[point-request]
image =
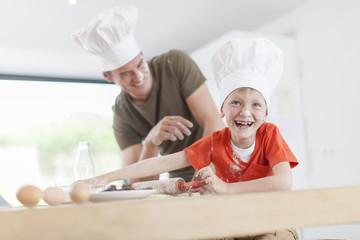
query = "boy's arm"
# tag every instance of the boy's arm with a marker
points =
(154, 166)
(282, 180)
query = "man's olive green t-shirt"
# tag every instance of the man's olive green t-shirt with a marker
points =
(175, 77)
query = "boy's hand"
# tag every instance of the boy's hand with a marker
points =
(85, 181)
(207, 176)
(92, 182)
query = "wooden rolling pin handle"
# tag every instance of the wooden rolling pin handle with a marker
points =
(184, 186)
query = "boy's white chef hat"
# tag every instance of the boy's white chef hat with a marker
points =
(109, 37)
(255, 63)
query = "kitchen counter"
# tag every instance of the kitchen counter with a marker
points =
(198, 217)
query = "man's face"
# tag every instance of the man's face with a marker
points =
(133, 78)
(244, 110)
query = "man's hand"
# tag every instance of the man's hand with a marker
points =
(169, 128)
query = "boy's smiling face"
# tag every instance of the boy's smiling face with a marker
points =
(244, 110)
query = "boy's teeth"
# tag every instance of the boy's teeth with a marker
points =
(243, 123)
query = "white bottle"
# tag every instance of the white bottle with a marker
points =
(84, 165)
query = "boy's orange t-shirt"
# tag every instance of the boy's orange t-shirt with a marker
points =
(270, 149)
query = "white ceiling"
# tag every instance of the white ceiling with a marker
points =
(46, 26)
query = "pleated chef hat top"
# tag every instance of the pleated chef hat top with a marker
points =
(109, 37)
(255, 63)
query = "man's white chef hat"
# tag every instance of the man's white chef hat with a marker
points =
(255, 63)
(109, 37)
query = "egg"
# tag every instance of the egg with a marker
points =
(29, 195)
(54, 196)
(80, 193)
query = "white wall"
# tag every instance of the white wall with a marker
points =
(328, 39)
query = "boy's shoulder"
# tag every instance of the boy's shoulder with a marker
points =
(223, 133)
(267, 127)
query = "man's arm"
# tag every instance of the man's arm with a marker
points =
(174, 128)
(204, 110)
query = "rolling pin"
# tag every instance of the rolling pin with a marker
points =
(167, 186)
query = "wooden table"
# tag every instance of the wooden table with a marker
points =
(183, 218)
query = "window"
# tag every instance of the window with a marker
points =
(42, 122)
